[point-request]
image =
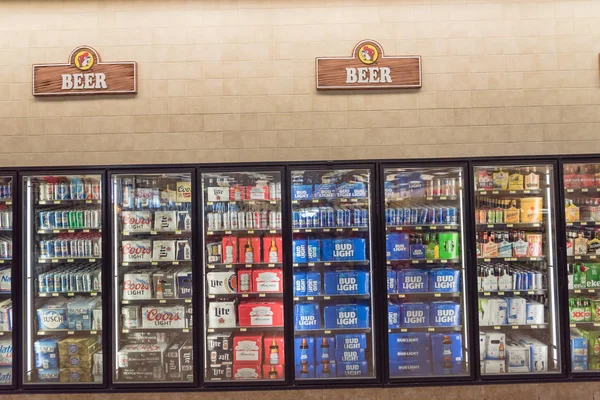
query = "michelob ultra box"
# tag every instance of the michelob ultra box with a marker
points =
(410, 367)
(495, 343)
(414, 314)
(517, 357)
(347, 282)
(446, 353)
(347, 316)
(325, 349)
(445, 313)
(301, 192)
(343, 249)
(393, 315)
(313, 283)
(392, 279)
(136, 250)
(397, 246)
(412, 281)
(352, 355)
(325, 191)
(299, 251)
(307, 316)
(136, 221)
(304, 350)
(444, 280)
(538, 353)
(535, 312)
(299, 283)
(497, 309)
(314, 250)
(356, 368)
(351, 341)
(517, 310)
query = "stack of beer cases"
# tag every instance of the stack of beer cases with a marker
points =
(327, 356)
(585, 350)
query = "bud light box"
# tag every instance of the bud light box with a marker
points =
(347, 316)
(359, 368)
(397, 246)
(445, 313)
(347, 282)
(393, 316)
(304, 350)
(342, 355)
(300, 252)
(391, 281)
(314, 250)
(351, 341)
(410, 368)
(325, 191)
(417, 353)
(414, 315)
(444, 280)
(302, 192)
(325, 349)
(343, 250)
(412, 281)
(313, 283)
(446, 353)
(299, 283)
(307, 316)
(409, 341)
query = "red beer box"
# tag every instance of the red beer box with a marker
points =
(255, 241)
(270, 356)
(247, 349)
(229, 246)
(164, 317)
(246, 372)
(267, 280)
(267, 243)
(261, 313)
(278, 371)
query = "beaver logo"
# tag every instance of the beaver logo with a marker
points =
(84, 60)
(368, 54)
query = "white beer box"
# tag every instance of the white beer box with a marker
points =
(136, 250)
(164, 317)
(136, 355)
(5, 280)
(517, 357)
(163, 250)
(137, 286)
(97, 319)
(136, 221)
(218, 193)
(165, 221)
(5, 375)
(222, 314)
(221, 282)
(6, 352)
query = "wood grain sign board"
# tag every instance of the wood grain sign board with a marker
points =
(85, 74)
(368, 68)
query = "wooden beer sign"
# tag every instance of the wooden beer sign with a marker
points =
(85, 74)
(368, 68)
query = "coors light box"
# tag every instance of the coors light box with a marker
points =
(164, 317)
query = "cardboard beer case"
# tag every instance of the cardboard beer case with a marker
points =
(260, 313)
(307, 316)
(351, 341)
(410, 367)
(247, 349)
(393, 315)
(347, 282)
(413, 281)
(347, 316)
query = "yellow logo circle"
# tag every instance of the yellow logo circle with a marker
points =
(368, 54)
(84, 60)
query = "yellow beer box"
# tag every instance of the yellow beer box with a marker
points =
(77, 352)
(184, 192)
(75, 375)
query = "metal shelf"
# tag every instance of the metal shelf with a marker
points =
(512, 292)
(520, 225)
(245, 201)
(427, 329)
(508, 192)
(332, 229)
(514, 327)
(68, 230)
(132, 330)
(423, 295)
(242, 231)
(78, 201)
(450, 197)
(245, 329)
(588, 257)
(583, 223)
(246, 295)
(154, 233)
(67, 260)
(332, 330)
(427, 261)
(157, 301)
(242, 265)
(154, 263)
(514, 259)
(431, 227)
(332, 297)
(583, 291)
(332, 263)
(334, 199)
(68, 332)
(67, 294)
(583, 190)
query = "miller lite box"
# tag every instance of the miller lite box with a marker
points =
(136, 221)
(217, 193)
(445, 313)
(347, 316)
(167, 288)
(247, 349)
(261, 313)
(78, 352)
(221, 357)
(267, 280)
(343, 250)
(313, 283)
(392, 281)
(164, 317)
(414, 315)
(410, 341)
(393, 315)
(397, 246)
(351, 341)
(349, 355)
(357, 368)
(184, 192)
(412, 281)
(53, 315)
(219, 372)
(325, 191)
(137, 285)
(136, 250)
(314, 250)
(179, 360)
(299, 283)
(446, 353)
(299, 251)
(163, 250)
(347, 282)
(5, 375)
(272, 249)
(410, 367)
(219, 341)
(221, 314)
(306, 316)
(184, 284)
(249, 257)
(444, 280)
(48, 375)
(6, 352)
(304, 350)
(221, 282)
(327, 349)
(46, 353)
(302, 192)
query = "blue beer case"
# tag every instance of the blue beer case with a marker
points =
(412, 281)
(444, 280)
(347, 316)
(447, 357)
(325, 353)
(351, 341)
(352, 355)
(299, 251)
(313, 250)
(325, 191)
(309, 353)
(343, 249)
(414, 315)
(357, 368)
(311, 371)
(347, 282)
(410, 367)
(307, 316)
(393, 315)
(300, 283)
(302, 192)
(409, 340)
(391, 281)
(313, 283)
(319, 370)
(445, 313)
(397, 246)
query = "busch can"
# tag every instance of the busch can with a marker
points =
(348, 217)
(406, 218)
(62, 192)
(315, 217)
(44, 220)
(302, 220)
(43, 249)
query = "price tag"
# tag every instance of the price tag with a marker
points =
(578, 257)
(490, 225)
(186, 330)
(54, 294)
(248, 265)
(515, 326)
(418, 228)
(433, 228)
(93, 332)
(403, 330)
(591, 290)
(326, 297)
(56, 201)
(70, 332)
(339, 230)
(210, 330)
(229, 232)
(308, 230)
(262, 295)
(355, 229)
(92, 260)
(584, 190)
(54, 260)
(311, 264)
(487, 294)
(593, 257)
(596, 324)
(210, 233)
(93, 293)
(577, 290)
(500, 293)
(250, 231)
(569, 224)
(244, 294)
(162, 301)
(271, 265)
(273, 231)
(315, 201)
(296, 298)
(125, 264)
(444, 261)
(154, 263)
(487, 260)
(188, 300)
(526, 191)
(273, 202)
(294, 264)
(324, 230)
(447, 227)
(125, 301)
(534, 326)
(583, 223)
(56, 231)
(175, 262)
(536, 225)
(572, 325)
(429, 261)
(415, 261)
(431, 329)
(443, 198)
(510, 225)
(512, 192)
(228, 265)
(429, 198)
(437, 295)
(310, 298)
(495, 192)
(71, 294)
(569, 190)
(497, 328)
(243, 329)
(70, 260)
(210, 266)
(327, 264)
(296, 231)
(327, 332)
(211, 296)
(153, 233)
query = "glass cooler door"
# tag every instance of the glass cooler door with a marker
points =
(62, 278)
(243, 270)
(426, 271)
(516, 269)
(152, 277)
(6, 255)
(333, 286)
(582, 219)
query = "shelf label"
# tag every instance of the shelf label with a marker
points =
(500, 293)
(433, 228)
(591, 290)
(93, 332)
(444, 261)
(93, 293)
(497, 328)
(154, 263)
(327, 264)
(526, 191)
(228, 232)
(250, 231)
(311, 264)
(534, 326)
(70, 260)
(71, 294)
(415, 261)
(248, 265)
(271, 265)
(70, 332)
(324, 230)
(262, 295)
(569, 190)
(355, 229)
(310, 298)
(403, 330)
(487, 260)
(431, 329)
(495, 192)
(326, 297)
(584, 190)
(92, 260)
(510, 225)
(487, 294)
(308, 230)
(54, 260)
(443, 198)
(569, 224)
(244, 295)
(418, 228)
(577, 290)
(296, 230)
(512, 192)
(437, 295)
(401, 296)
(243, 329)
(399, 228)
(273, 231)
(515, 326)
(211, 296)
(490, 225)
(55, 294)
(578, 257)
(583, 223)
(162, 301)
(429, 261)
(89, 201)
(56, 231)
(210, 330)
(186, 330)
(56, 201)
(573, 325)
(327, 332)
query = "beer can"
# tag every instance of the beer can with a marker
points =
(80, 191)
(364, 217)
(43, 190)
(43, 249)
(73, 248)
(257, 220)
(62, 192)
(423, 215)
(42, 283)
(88, 190)
(49, 282)
(437, 186)
(406, 218)
(482, 216)
(264, 219)
(295, 219)
(323, 217)
(64, 279)
(52, 189)
(429, 187)
(10, 249)
(4, 249)
(80, 248)
(330, 217)
(241, 220)
(452, 186)
(389, 216)
(491, 216)
(64, 248)
(44, 220)
(451, 217)
(8, 191)
(64, 219)
(356, 217)
(80, 219)
(87, 219)
(57, 248)
(302, 219)
(414, 216)
(73, 189)
(72, 219)
(499, 217)
(339, 217)
(445, 187)
(129, 316)
(88, 248)
(96, 193)
(50, 248)
(95, 219)
(314, 215)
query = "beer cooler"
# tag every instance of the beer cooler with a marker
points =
(152, 277)
(62, 279)
(332, 273)
(428, 318)
(582, 219)
(519, 321)
(243, 275)
(6, 268)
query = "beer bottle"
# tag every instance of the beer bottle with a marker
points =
(304, 371)
(248, 252)
(447, 353)
(326, 370)
(273, 354)
(159, 289)
(304, 353)
(501, 351)
(273, 252)
(273, 372)
(325, 351)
